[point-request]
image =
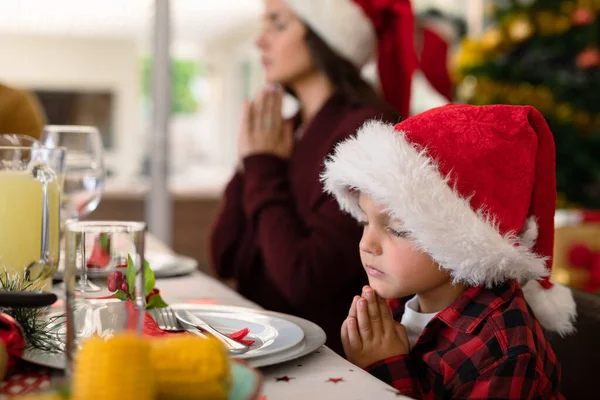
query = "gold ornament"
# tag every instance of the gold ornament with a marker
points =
(562, 24)
(564, 112)
(567, 7)
(583, 120)
(466, 89)
(545, 22)
(520, 29)
(491, 39)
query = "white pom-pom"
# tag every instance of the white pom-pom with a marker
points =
(554, 308)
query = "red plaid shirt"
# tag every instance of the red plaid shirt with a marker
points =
(487, 344)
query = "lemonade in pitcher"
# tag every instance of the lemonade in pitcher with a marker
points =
(29, 215)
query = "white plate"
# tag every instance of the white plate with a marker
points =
(270, 334)
(163, 265)
(314, 338)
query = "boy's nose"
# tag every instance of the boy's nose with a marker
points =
(369, 243)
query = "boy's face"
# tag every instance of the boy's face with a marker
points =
(394, 266)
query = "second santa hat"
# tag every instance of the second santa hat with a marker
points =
(360, 30)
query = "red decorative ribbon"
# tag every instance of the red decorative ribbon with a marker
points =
(13, 338)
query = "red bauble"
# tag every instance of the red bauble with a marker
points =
(12, 338)
(580, 256)
(582, 16)
(588, 58)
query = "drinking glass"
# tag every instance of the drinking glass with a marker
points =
(30, 189)
(83, 178)
(113, 242)
(84, 168)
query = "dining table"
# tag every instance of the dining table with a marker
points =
(321, 374)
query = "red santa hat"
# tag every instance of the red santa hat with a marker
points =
(360, 30)
(438, 33)
(475, 188)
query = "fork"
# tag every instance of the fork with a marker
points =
(167, 321)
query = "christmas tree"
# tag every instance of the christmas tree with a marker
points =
(544, 53)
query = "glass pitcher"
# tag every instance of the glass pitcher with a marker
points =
(30, 190)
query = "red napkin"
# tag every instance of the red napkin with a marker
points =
(151, 328)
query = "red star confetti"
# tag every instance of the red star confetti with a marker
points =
(283, 379)
(335, 380)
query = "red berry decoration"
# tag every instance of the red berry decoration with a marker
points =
(125, 287)
(119, 277)
(580, 256)
(112, 285)
(153, 293)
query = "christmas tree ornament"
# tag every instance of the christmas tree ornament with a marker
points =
(491, 39)
(588, 58)
(466, 89)
(564, 112)
(580, 256)
(12, 341)
(582, 16)
(545, 22)
(562, 24)
(520, 29)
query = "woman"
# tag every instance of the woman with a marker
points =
(285, 243)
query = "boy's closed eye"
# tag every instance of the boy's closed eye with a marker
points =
(391, 230)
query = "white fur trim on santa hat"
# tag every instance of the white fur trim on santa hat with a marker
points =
(341, 24)
(379, 161)
(554, 308)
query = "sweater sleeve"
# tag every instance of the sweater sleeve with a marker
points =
(228, 230)
(395, 371)
(308, 258)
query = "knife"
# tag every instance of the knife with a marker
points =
(191, 319)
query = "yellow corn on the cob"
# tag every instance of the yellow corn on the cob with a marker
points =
(188, 367)
(117, 368)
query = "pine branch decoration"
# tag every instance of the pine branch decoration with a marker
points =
(41, 333)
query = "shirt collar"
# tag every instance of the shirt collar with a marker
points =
(475, 304)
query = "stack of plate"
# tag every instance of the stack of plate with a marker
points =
(277, 337)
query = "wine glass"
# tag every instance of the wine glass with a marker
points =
(83, 177)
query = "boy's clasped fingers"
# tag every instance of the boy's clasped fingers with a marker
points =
(373, 309)
(354, 338)
(364, 321)
(353, 307)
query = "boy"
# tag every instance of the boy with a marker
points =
(458, 209)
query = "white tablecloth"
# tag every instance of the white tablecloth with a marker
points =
(320, 375)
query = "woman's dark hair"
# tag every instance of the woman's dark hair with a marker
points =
(344, 75)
